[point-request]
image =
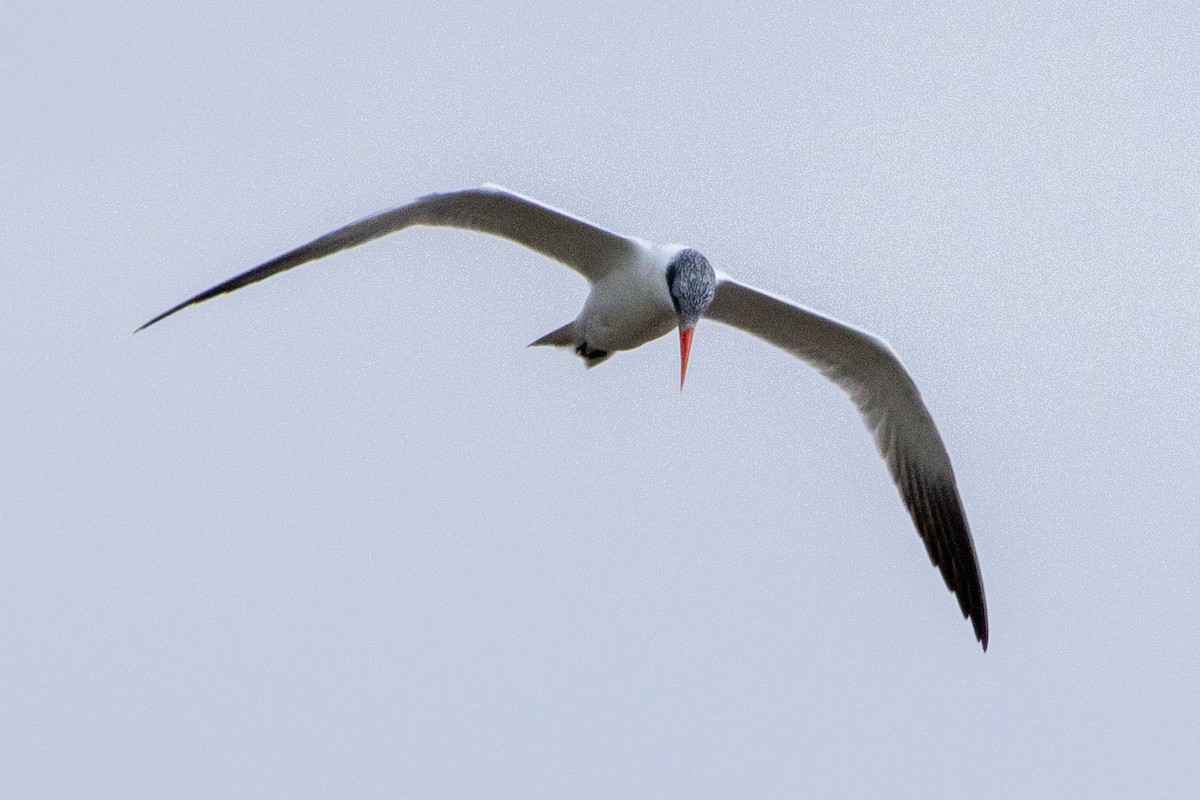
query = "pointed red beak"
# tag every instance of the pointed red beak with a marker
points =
(685, 349)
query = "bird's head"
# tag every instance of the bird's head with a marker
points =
(692, 283)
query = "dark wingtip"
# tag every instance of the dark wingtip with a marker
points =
(937, 511)
(145, 325)
(162, 316)
(974, 609)
(976, 614)
(228, 286)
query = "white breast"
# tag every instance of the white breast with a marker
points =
(629, 307)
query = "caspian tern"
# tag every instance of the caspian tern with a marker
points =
(641, 291)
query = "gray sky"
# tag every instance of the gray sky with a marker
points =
(341, 534)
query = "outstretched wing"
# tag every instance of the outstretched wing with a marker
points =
(588, 249)
(892, 408)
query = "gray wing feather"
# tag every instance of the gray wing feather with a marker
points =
(588, 249)
(865, 367)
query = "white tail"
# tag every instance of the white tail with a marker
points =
(559, 337)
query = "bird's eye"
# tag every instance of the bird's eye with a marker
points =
(672, 271)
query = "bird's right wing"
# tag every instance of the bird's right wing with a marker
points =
(588, 249)
(866, 368)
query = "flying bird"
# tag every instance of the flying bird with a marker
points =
(641, 291)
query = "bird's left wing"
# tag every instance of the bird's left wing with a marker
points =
(588, 249)
(892, 408)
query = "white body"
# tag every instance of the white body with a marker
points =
(630, 304)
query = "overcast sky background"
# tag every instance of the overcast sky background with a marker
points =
(340, 534)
